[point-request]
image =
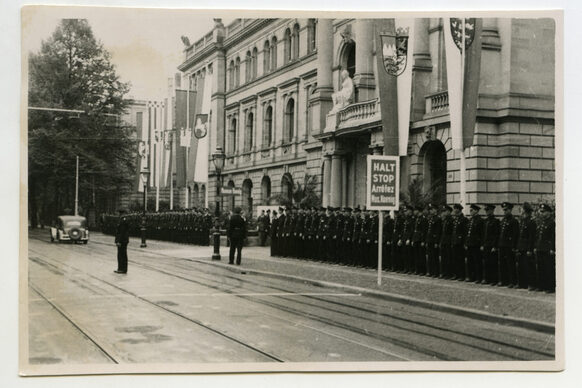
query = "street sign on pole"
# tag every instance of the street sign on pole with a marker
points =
(383, 187)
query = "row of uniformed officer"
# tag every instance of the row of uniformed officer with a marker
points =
(508, 252)
(191, 226)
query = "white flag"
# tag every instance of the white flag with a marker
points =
(201, 166)
(404, 86)
(455, 86)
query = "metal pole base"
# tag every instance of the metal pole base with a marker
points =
(143, 238)
(216, 239)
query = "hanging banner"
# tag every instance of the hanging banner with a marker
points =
(201, 173)
(383, 182)
(405, 48)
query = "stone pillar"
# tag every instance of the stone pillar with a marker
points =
(364, 77)
(321, 99)
(326, 180)
(421, 69)
(344, 182)
(336, 181)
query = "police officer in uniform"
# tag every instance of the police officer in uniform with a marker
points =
(508, 235)
(418, 241)
(405, 243)
(525, 247)
(545, 249)
(273, 231)
(433, 237)
(356, 236)
(445, 244)
(458, 235)
(387, 230)
(473, 244)
(397, 230)
(489, 246)
(121, 240)
(346, 236)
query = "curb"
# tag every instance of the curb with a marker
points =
(543, 327)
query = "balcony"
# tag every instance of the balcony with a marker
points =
(437, 104)
(357, 115)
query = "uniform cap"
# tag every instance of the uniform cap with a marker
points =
(357, 209)
(475, 207)
(458, 206)
(489, 206)
(527, 207)
(447, 208)
(545, 207)
(506, 205)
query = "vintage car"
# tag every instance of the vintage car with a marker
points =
(70, 228)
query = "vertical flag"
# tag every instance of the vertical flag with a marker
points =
(404, 48)
(201, 132)
(463, 56)
(394, 45)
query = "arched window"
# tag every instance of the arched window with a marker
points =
(348, 58)
(311, 35)
(265, 190)
(196, 196)
(266, 57)
(231, 75)
(232, 137)
(273, 53)
(287, 46)
(268, 127)
(249, 132)
(248, 66)
(295, 41)
(254, 63)
(289, 121)
(287, 186)
(237, 72)
(203, 195)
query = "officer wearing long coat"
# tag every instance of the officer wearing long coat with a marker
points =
(281, 231)
(121, 240)
(273, 231)
(525, 246)
(433, 236)
(458, 235)
(489, 246)
(406, 253)
(356, 236)
(397, 230)
(387, 230)
(346, 236)
(445, 244)
(236, 233)
(545, 249)
(508, 234)
(473, 245)
(418, 241)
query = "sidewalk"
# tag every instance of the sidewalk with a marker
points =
(509, 306)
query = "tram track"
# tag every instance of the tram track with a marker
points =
(285, 302)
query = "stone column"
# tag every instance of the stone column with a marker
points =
(364, 78)
(344, 182)
(326, 180)
(422, 67)
(322, 102)
(336, 181)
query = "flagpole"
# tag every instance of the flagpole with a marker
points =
(77, 188)
(463, 164)
(188, 145)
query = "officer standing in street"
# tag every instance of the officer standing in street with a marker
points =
(489, 246)
(121, 241)
(396, 238)
(508, 235)
(236, 233)
(458, 235)
(473, 245)
(405, 243)
(545, 249)
(387, 230)
(433, 236)
(273, 231)
(356, 236)
(525, 247)
(445, 244)
(346, 237)
(418, 241)
(262, 228)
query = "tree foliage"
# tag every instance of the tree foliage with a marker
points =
(72, 71)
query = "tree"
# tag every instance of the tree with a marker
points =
(73, 71)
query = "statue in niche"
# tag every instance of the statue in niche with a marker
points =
(345, 95)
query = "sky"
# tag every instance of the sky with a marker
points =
(145, 45)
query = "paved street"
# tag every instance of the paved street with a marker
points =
(177, 306)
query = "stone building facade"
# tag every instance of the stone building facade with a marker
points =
(272, 86)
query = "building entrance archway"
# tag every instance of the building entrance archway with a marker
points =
(434, 169)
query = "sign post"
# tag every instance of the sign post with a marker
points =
(383, 188)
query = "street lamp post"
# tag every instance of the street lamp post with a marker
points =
(218, 160)
(145, 174)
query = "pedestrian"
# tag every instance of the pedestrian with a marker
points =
(236, 233)
(121, 240)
